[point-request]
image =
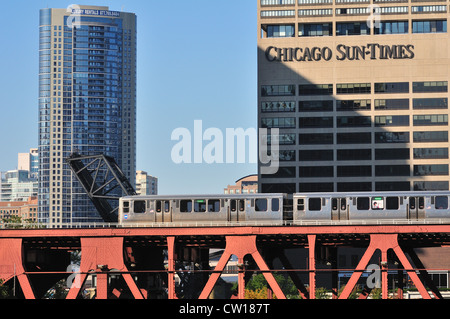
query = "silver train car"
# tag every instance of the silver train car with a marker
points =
(371, 206)
(202, 209)
(282, 209)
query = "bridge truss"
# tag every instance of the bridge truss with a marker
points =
(125, 260)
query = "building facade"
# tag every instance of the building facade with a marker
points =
(27, 210)
(359, 92)
(146, 184)
(87, 103)
(17, 186)
(245, 185)
(29, 162)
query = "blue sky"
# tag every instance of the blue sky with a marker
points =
(196, 61)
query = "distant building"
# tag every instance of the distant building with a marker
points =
(146, 184)
(27, 210)
(17, 185)
(29, 162)
(245, 185)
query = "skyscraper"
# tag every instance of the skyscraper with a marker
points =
(359, 91)
(87, 103)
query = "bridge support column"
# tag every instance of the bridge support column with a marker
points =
(102, 256)
(312, 266)
(171, 265)
(12, 264)
(384, 242)
(241, 246)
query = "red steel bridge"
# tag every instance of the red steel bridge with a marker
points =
(143, 263)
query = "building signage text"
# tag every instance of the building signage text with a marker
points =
(372, 51)
(93, 12)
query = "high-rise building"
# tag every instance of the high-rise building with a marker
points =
(87, 103)
(29, 162)
(359, 92)
(146, 184)
(17, 185)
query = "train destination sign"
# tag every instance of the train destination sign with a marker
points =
(371, 51)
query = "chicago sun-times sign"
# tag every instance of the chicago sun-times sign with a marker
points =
(371, 51)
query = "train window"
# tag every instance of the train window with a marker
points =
(343, 203)
(158, 206)
(139, 207)
(200, 206)
(275, 204)
(441, 202)
(412, 203)
(167, 206)
(261, 205)
(186, 206)
(241, 205)
(214, 205)
(301, 204)
(126, 207)
(392, 203)
(315, 204)
(362, 203)
(421, 202)
(377, 203)
(334, 204)
(233, 205)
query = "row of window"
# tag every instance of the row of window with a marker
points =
(354, 186)
(351, 28)
(354, 121)
(355, 88)
(362, 154)
(360, 138)
(361, 171)
(313, 2)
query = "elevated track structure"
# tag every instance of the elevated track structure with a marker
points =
(143, 263)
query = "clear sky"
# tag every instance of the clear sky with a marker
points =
(196, 61)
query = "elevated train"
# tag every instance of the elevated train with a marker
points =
(283, 209)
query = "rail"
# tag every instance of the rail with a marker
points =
(304, 223)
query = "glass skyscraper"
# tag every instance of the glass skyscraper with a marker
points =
(87, 103)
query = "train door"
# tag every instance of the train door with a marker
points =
(416, 208)
(339, 209)
(163, 211)
(237, 210)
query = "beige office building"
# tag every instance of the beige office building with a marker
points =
(359, 92)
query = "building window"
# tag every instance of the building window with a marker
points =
(315, 29)
(354, 88)
(431, 137)
(354, 138)
(354, 121)
(267, 107)
(315, 122)
(392, 120)
(315, 12)
(315, 155)
(392, 154)
(350, 105)
(392, 104)
(429, 26)
(316, 89)
(353, 11)
(425, 87)
(391, 27)
(278, 122)
(354, 171)
(311, 2)
(425, 120)
(277, 13)
(392, 170)
(391, 137)
(316, 171)
(352, 28)
(316, 139)
(437, 103)
(278, 90)
(396, 87)
(279, 31)
(430, 170)
(431, 153)
(427, 9)
(354, 155)
(277, 2)
(316, 106)
(431, 186)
